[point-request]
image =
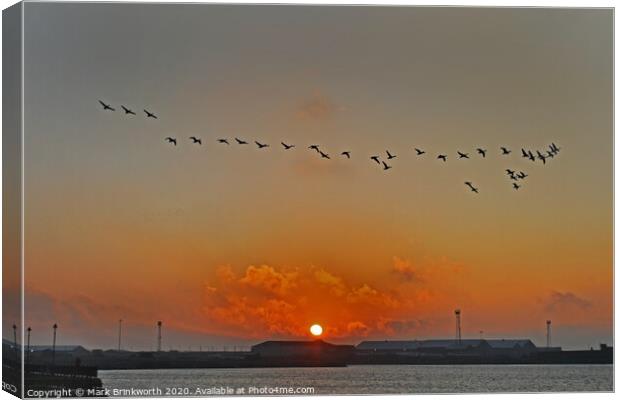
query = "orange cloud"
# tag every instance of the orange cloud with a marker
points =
(317, 107)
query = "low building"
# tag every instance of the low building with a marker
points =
(293, 348)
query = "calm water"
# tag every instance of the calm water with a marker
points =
(371, 379)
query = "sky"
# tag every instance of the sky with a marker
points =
(229, 245)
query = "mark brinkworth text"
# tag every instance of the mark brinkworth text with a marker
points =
(171, 391)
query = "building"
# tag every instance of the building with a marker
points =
(424, 346)
(293, 348)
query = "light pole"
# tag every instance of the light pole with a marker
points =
(15, 341)
(55, 327)
(120, 327)
(28, 346)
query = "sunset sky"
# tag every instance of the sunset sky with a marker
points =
(232, 245)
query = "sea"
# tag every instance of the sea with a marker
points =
(359, 379)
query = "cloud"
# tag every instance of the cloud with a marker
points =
(405, 270)
(317, 107)
(564, 301)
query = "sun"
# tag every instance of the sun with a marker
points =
(316, 330)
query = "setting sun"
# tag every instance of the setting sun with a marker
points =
(316, 330)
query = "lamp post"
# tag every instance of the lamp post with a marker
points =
(55, 327)
(120, 327)
(28, 346)
(15, 341)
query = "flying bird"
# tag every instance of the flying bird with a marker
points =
(509, 171)
(482, 152)
(555, 148)
(314, 147)
(420, 152)
(239, 141)
(261, 145)
(150, 114)
(106, 106)
(171, 140)
(531, 156)
(442, 157)
(376, 158)
(463, 155)
(524, 153)
(287, 146)
(541, 157)
(196, 140)
(225, 141)
(515, 186)
(385, 166)
(514, 177)
(324, 155)
(390, 156)
(550, 154)
(127, 110)
(471, 186)
(522, 175)
(505, 151)
(346, 153)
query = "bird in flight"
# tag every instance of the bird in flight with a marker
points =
(196, 140)
(514, 177)
(376, 158)
(515, 186)
(550, 154)
(261, 145)
(531, 156)
(150, 114)
(522, 175)
(106, 106)
(287, 146)
(463, 155)
(473, 189)
(324, 155)
(419, 152)
(225, 141)
(390, 156)
(239, 141)
(385, 166)
(541, 157)
(346, 153)
(171, 140)
(509, 171)
(443, 157)
(482, 152)
(524, 153)
(554, 148)
(505, 151)
(127, 110)
(314, 147)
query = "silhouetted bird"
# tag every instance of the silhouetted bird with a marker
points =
(541, 157)
(385, 166)
(555, 148)
(509, 171)
(195, 139)
(239, 141)
(106, 106)
(390, 156)
(473, 189)
(171, 140)
(346, 153)
(514, 177)
(150, 114)
(376, 158)
(324, 155)
(515, 186)
(225, 141)
(261, 145)
(314, 147)
(482, 152)
(463, 155)
(127, 110)
(522, 175)
(442, 157)
(531, 156)
(550, 154)
(524, 153)
(420, 152)
(287, 146)
(505, 151)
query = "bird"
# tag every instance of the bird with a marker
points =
(150, 114)
(420, 152)
(505, 151)
(482, 152)
(550, 154)
(522, 175)
(514, 177)
(515, 186)
(196, 140)
(261, 145)
(442, 157)
(346, 153)
(106, 106)
(471, 186)
(541, 157)
(127, 110)
(376, 158)
(509, 171)
(324, 155)
(239, 141)
(390, 156)
(524, 153)
(171, 140)
(225, 141)
(314, 147)
(555, 148)
(287, 146)
(385, 166)
(463, 155)
(531, 156)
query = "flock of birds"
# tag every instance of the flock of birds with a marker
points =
(541, 155)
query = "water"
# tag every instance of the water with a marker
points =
(369, 379)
